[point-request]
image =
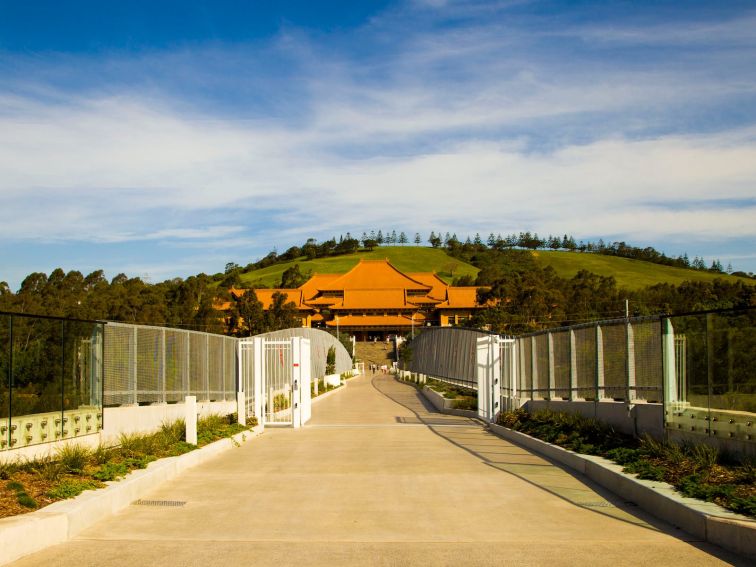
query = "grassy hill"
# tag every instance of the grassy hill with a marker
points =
(631, 274)
(405, 258)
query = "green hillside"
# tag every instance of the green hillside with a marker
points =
(632, 274)
(405, 258)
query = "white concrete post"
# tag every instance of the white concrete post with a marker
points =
(241, 408)
(190, 418)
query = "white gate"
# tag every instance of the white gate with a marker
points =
(275, 378)
(496, 372)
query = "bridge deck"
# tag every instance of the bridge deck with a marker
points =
(379, 479)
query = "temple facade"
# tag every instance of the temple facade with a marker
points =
(374, 300)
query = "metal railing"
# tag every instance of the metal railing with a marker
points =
(161, 365)
(617, 360)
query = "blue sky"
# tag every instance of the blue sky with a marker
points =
(168, 138)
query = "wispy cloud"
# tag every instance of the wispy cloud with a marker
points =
(484, 125)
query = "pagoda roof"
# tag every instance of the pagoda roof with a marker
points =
(376, 321)
(431, 279)
(317, 281)
(373, 274)
(460, 297)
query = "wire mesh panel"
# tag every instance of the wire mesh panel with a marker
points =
(320, 343)
(198, 366)
(585, 359)
(647, 347)
(542, 367)
(615, 360)
(447, 354)
(277, 368)
(526, 371)
(149, 350)
(215, 367)
(562, 363)
(229, 369)
(176, 382)
(119, 365)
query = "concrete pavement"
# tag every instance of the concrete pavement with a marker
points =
(377, 478)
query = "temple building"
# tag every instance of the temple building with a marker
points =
(374, 300)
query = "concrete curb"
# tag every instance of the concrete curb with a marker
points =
(704, 520)
(63, 520)
(442, 404)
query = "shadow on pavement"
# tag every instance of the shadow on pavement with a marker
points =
(470, 435)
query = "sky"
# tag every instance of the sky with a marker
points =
(164, 139)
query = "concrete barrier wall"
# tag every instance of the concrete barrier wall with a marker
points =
(118, 420)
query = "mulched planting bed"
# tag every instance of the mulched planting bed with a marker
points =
(697, 471)
(29, 485)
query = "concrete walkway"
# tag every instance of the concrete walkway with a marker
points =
(379, 479)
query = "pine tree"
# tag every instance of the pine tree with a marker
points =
(402, 239)
(418, 238)
(379, 237)
(393, 237)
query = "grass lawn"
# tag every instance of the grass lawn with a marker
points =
(405, 258)
(632, 274)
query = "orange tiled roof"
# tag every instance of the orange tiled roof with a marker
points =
(375, 321)
(437, 285)
(373, 299)
(460, 297)
(317, 281)
(374, 274)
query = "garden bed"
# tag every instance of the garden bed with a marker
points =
(696, 471)
(28, 486)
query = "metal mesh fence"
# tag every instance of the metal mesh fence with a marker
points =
(446, 353)
(526, 364)
(647, 356)
(154, 365)
(614, 340)
(585, 362)
(541, 371)
(562, 364)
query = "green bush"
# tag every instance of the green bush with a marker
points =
(71, 488)
(26, 501)
(73, 457)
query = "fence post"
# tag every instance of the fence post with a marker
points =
(573, 366)
(668, 362)
(190, 419)
(630, 392)
(258, 381)
(552, 373)
(599, 364)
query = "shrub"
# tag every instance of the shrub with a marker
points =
(73, 458)
(26, 501)
(71, 488)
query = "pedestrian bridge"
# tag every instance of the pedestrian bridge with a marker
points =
(377, 477)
